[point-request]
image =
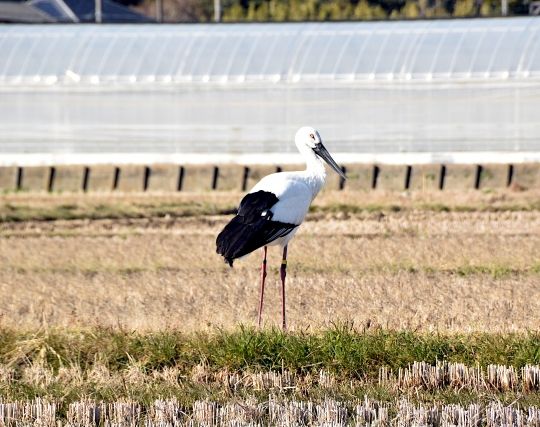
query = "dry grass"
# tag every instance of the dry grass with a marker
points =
(426, 261)
(451, 262)
(281, 412)
(494, 380)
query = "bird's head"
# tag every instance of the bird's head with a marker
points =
(308, 137)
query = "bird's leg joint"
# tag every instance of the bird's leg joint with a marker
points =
(263, 265)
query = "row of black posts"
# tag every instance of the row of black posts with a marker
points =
(245, 177)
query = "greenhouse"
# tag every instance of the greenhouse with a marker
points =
(149, 93)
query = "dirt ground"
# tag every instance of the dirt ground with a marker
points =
(467, 261)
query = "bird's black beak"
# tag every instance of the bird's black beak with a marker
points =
(323, 153)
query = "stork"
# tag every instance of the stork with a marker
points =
(272, 211)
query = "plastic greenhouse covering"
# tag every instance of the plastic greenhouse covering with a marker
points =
(443, 86)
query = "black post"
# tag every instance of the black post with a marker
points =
(86, 179)
(442, 177)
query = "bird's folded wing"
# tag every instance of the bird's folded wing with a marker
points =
(252, 227)
(256, 205)
(238, 238)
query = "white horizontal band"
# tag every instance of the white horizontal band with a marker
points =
(56, 159)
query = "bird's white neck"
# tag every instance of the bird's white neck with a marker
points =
(315, 171)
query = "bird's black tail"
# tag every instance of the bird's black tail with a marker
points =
(228, 242)
(238, 238)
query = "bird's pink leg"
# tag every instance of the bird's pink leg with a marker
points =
(283, 274)
(263, 277)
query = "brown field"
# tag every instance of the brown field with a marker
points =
(423, 261)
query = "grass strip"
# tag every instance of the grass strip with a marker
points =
(10, 212)
(118, 209)
(340, 349)
(495, 271)
(340, 362)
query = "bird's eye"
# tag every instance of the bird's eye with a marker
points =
(312, 136)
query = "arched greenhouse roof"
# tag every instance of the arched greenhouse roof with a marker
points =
(435, 50)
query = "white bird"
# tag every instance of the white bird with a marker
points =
(272, 211)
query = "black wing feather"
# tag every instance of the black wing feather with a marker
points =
(252, 227)
(254, 204)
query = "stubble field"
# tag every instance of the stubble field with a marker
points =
(422, 262)
(89, 282)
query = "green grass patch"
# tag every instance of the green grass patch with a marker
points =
(22, 212)
(356, 209)
(118, 209)
(496, 271)
(341, 349)
(66, 364)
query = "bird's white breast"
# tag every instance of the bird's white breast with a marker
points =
(295, 191)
